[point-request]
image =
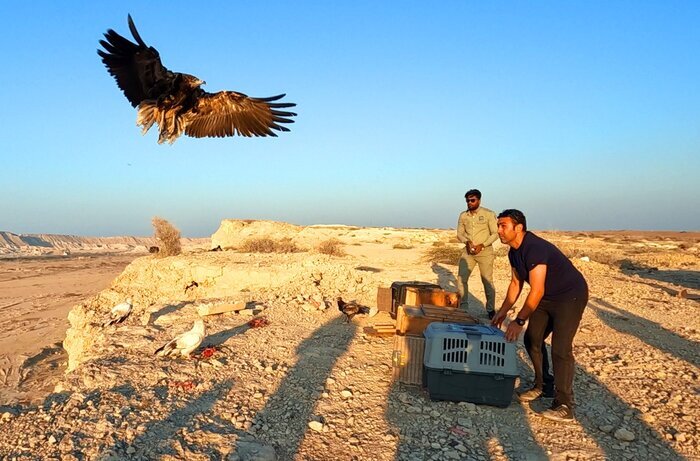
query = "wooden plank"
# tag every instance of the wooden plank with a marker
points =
(384, 299)
(212, 309)
(414, 320)
(407, 359)
(446, 314)
(374, 332)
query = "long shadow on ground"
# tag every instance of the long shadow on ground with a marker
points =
(647, 331)
(288, 412)
(609, 409)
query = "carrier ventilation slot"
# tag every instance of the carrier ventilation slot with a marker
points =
(454, 350)
(492, 354)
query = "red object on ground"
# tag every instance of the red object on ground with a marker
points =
(207, 352)
(258, 322)
(184, 385)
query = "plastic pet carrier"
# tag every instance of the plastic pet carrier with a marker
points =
(471, 363)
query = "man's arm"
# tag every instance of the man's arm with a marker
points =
(514, 289)
(493, 233)
(537, 276)
(461, 230)
(493, 230)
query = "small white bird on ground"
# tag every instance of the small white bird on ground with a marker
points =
(119, 313)
(186, 343)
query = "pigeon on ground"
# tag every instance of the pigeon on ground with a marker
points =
(186, 343)
(119, 313)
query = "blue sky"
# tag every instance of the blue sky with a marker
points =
(585, 115)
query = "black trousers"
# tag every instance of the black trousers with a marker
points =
(560, 319)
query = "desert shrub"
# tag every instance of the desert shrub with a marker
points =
(443, 254)
(403, 246)
(168, 237)
(331, 247)
(268, 245)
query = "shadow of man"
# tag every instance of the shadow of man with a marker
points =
(602, 416)
(647, 331)
(288, 412)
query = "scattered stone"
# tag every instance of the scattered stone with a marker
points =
(316, 426)
(624, 435)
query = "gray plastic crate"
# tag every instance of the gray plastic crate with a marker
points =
(472, 363)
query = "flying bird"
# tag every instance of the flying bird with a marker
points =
(184, 344)
(176, 102)
(119, 313)
(351, 309)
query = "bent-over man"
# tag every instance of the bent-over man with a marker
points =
(476, 229)
(555, 304)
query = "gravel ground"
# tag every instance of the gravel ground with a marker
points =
(309, 386)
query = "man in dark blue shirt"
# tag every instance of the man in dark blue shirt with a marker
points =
(555, 304)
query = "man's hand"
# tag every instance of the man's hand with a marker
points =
(513, 331)
(498, 319)
(478, 248)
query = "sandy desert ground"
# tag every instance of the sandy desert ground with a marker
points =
(308, 386)
(36, 294)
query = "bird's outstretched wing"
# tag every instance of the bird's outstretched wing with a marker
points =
(135, 66)
(228, 113)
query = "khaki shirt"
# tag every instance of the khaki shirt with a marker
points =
(479, 228)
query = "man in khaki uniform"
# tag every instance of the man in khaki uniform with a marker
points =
(477, 229)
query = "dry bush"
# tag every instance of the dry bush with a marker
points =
(572, 251)
(331, 247)
(443, 254)
(168, 237)
(403, 246)
(268, 245)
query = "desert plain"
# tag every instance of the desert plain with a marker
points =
(306, 385)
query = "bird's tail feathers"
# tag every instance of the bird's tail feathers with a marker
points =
(165, 349)
(146, 116)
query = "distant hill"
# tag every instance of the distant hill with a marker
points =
(53, 244)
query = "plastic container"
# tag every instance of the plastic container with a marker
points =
(470, 363)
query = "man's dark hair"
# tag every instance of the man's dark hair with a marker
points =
(475, 192)
(516, 215)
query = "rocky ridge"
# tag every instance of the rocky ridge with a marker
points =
(18, 245)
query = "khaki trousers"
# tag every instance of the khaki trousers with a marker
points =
(467, 263)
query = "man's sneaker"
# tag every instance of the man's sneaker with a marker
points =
(534, 394)
(561, 413)
(491, 314)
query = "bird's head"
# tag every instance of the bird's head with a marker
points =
(192, 81)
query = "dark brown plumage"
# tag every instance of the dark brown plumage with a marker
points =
(176, 103)
(350, 309)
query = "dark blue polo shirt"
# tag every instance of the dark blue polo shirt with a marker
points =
(563, 282)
